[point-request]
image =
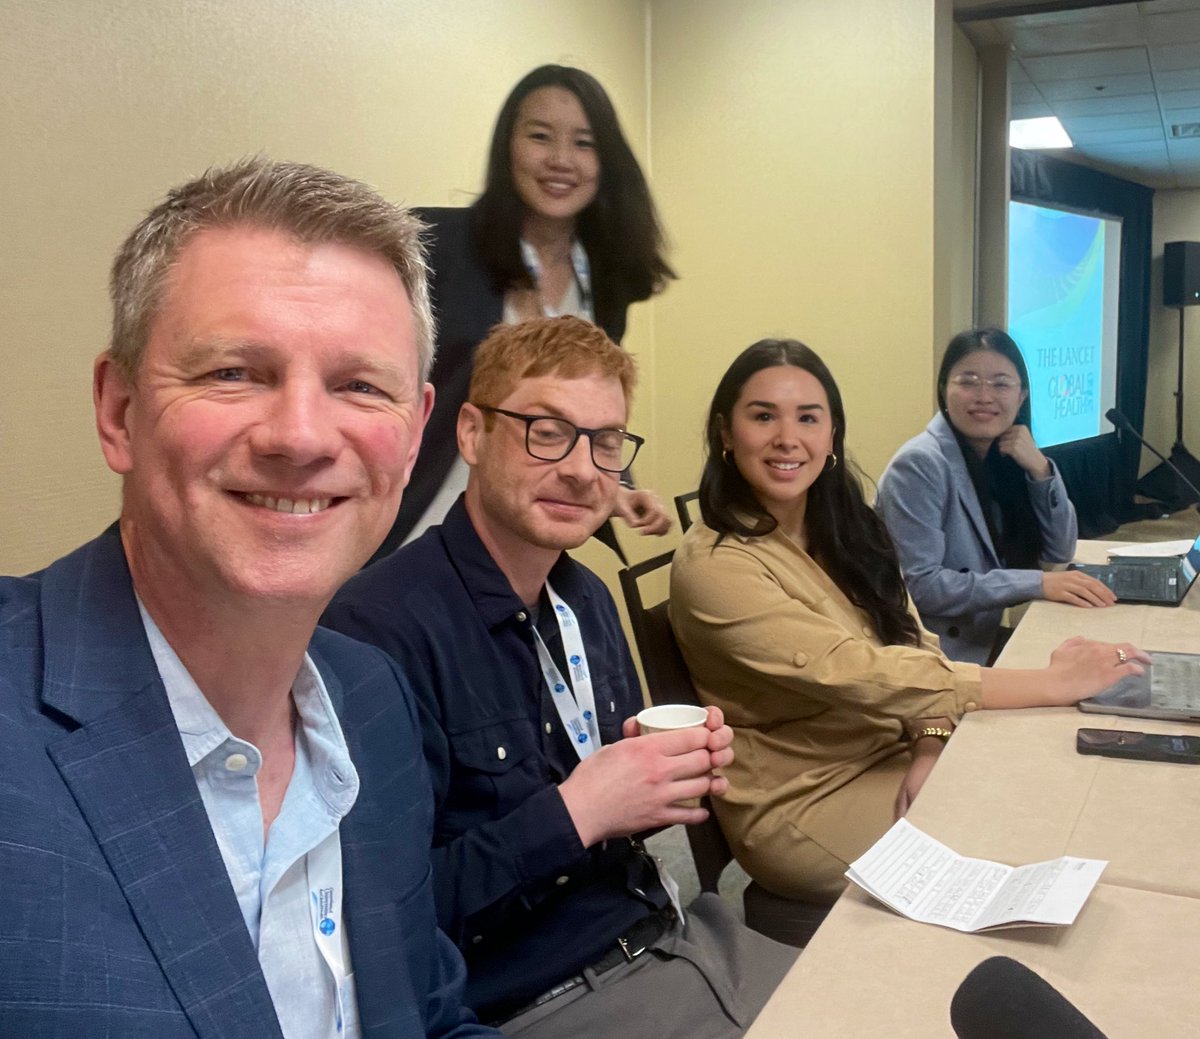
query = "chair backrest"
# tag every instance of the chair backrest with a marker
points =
(669, 682)
(683, 507)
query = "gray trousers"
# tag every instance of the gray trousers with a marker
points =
(707, 980)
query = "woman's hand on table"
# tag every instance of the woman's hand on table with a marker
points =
(1075, 588)
(1080, 668)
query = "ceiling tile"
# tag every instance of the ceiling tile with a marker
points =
(1178, 79)
(1113, 86)
(1029, 110)
(1175, 56)
(1104, 103)
(1153, 7)
(1114, 121)
(1095, 29)
(1171, 27)
(1125, 61)
(1083, 139)
(1176, 99)
(1023, 93)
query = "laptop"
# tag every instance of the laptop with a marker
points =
(1169, 688)
(1148, 579)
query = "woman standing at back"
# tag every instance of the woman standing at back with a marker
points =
(565, 225)
(975, 508)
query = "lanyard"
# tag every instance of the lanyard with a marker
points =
(583, 275)
(324, 863)
(576, 706)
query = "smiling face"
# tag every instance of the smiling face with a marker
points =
(780, 435)
(272, 424)
(555, 168)
(981, 413)
(520, 500)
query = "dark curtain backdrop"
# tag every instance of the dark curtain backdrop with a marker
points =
(1100, 473)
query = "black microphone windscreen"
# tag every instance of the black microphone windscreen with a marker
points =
(1117, 419)
(1001, 999)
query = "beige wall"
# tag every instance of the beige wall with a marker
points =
(1176, 218)
(794, 158)
(108, 102)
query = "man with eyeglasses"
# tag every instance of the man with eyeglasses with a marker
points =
(528, 692)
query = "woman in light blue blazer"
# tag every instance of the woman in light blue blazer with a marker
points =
(974, 507)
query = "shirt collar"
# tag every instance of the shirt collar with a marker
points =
(203, 731)
(485, 582)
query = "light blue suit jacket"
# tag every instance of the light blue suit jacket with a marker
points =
(118, 917)
(954, 576)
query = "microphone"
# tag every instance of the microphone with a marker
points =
(1125, 426)
(1002, 999)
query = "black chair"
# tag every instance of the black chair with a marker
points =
(669, 682)
(786, 920)
(683, 508)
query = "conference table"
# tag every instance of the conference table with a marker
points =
(1010, 787)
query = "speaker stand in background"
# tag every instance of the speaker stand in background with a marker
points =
(1160, 482)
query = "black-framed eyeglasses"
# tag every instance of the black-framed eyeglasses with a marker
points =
(551, 439)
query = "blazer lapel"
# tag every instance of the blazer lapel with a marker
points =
(126, 768)
(378, 861)
(964, 489)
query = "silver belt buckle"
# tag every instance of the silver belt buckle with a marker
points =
(630, 956)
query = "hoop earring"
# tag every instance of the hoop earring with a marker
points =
(726, 457)
(835, 462)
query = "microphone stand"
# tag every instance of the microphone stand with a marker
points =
(1163, 481)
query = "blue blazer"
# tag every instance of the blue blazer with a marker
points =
(118, 916)
(953, 573)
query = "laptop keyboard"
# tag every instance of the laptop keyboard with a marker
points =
(1144, 582)
(1175, 681)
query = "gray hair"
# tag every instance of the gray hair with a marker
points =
(311, 204)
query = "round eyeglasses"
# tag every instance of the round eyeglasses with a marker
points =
(1000, 385)
(551, 439)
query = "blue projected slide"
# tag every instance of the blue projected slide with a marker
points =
(1063, 273)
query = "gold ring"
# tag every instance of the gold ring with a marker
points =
(1122, 656)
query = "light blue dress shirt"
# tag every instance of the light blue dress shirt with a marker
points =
(286, 883)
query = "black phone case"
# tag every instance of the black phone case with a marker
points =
(1139, 746)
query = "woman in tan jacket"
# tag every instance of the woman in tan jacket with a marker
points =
(791, 612)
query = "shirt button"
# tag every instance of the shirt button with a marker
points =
(971, 705)
(799, 659)
(522, 616)
(549, 728)
(560, 881)
(501, 753)
(236, 762)
(477, 939)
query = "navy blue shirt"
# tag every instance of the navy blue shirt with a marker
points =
(516, 890)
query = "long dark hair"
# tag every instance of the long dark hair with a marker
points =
(620, 228)
(845, 536)
(1000, 484)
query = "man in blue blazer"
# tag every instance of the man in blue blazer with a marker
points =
(216, 819)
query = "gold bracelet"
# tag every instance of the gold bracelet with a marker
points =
(933, 730)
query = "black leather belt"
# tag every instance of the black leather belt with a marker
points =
(640, 937)
(637, 940)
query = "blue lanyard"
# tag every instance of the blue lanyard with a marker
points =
(574, 700)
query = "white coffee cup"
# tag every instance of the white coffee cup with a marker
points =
(668, 717)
